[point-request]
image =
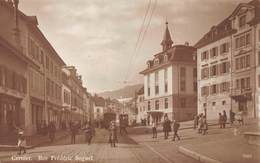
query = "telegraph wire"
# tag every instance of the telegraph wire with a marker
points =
(138, 39)
(146, 29)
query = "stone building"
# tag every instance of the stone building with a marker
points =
(228, 64)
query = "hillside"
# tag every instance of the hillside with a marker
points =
(126, 92)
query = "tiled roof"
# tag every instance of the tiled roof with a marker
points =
(224, 28)
(177, 53)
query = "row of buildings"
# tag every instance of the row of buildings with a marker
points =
(220, 72)
(36, 86)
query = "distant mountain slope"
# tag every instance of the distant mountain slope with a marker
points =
(126, 92)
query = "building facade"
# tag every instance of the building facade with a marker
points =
(227, 64)
(31, 87)
(170, 82)
(141, 107)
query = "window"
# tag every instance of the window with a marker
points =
(224, 67)
(51, 64)
(247, 61)
(194, 86)
(214, 89)
(156, 82)
(149, 105)
(213, 103)
(243, 62)
(205, 91)
(204, 55)
(157, 105)
(166, 103)
(204, 105)
(237, 83)
(156, 61)
(259, 58)
(213, 71)
(47, 63)
(224, 48)
(166, 80)
(248, 39)
(259, 81)
(148, 84)
(224, 87)
(224, 102)
(213, 52)
(42, 57)
(243, 40)
(205, 73)
(183, 79)
(247, 82)
(183, 102)
(242, 21)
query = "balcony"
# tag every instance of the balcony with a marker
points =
(241, 94)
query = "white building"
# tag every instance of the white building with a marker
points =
(170, 82)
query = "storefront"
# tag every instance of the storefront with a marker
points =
(10, 114)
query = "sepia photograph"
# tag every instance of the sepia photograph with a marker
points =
(130, 81)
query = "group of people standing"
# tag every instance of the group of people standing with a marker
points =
(167, 128)
(201, 124)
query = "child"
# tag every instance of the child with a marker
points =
(21, 143)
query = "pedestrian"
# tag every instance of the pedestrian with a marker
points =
(196, 121)
(220, 120)
(112, 134)
(166, 127)
(232, 117)
(74, 130)
(176, 126)
(200, 123)
(240, 117)
(224, 118)
(52, 130)
(205, 125)
(21, 142)
(88, 133)
(154, 129)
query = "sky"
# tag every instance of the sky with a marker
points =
(99, 37)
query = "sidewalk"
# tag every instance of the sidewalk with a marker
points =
(219, 145)
(35, 141)
(227, 148)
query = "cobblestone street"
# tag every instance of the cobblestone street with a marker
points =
(100, 151)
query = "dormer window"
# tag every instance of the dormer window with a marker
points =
(165, 58)
(156, 61)
(149, 64)
(242, 21)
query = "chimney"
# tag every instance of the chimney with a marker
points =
(186, 43)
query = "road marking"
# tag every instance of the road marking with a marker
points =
(159, 154)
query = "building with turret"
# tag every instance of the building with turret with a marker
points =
(170, 82)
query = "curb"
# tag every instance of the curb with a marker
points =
(196, 155)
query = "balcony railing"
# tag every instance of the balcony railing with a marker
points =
(237, 92)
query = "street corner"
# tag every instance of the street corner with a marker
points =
(197, 156)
